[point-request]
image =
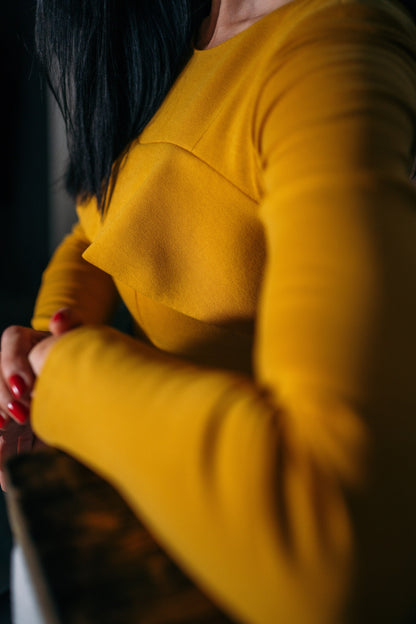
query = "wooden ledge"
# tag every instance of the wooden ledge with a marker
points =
(90, 558)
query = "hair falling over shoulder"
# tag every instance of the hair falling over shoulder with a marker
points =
(110, 64)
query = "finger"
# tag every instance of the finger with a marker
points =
(16, 342)
(5, 398)
(19, 412)
(40, 352)
(17, 385)
(63, 320)
(11, 408)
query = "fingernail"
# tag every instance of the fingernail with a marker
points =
(17, 386)
(61, 315)
(19, 411)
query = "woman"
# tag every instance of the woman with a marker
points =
(259, 224)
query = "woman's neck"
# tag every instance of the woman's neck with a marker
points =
(230, 17)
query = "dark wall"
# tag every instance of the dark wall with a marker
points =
(23, 164)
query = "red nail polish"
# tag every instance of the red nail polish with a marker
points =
(17, 386)
(59, 316)
(19, 411)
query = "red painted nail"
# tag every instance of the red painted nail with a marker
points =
(19, 411)
(61, 315)
(17, 386)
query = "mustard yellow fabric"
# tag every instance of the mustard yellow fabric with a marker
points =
(262, 233)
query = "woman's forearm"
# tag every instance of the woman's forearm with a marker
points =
(71, 282)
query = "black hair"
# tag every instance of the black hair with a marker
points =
(110, 63)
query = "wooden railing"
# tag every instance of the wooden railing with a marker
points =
(90, 559)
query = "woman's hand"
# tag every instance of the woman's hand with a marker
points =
(16, 374)
(16, 383)
(17, 377)
(61, 322)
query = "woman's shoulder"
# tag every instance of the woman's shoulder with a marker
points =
(298, 9)
(318, 22)
(356, 13)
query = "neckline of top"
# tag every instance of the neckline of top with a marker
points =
(234, 38)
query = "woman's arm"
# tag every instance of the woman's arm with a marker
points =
(71, 282)
(79, 292)
(279, 493)
(68, 282)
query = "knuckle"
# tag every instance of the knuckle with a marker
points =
(11, 332)
(9, 341)
(12, 329)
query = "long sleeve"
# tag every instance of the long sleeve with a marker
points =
(70, 281)
(279, 493)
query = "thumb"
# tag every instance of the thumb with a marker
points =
(63, 320)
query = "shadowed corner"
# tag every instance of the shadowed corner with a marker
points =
(24, 235)
(23, 166)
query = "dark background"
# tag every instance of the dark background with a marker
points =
(24, 210)
(24, 228)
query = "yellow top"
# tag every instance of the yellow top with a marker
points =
(262, 233)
